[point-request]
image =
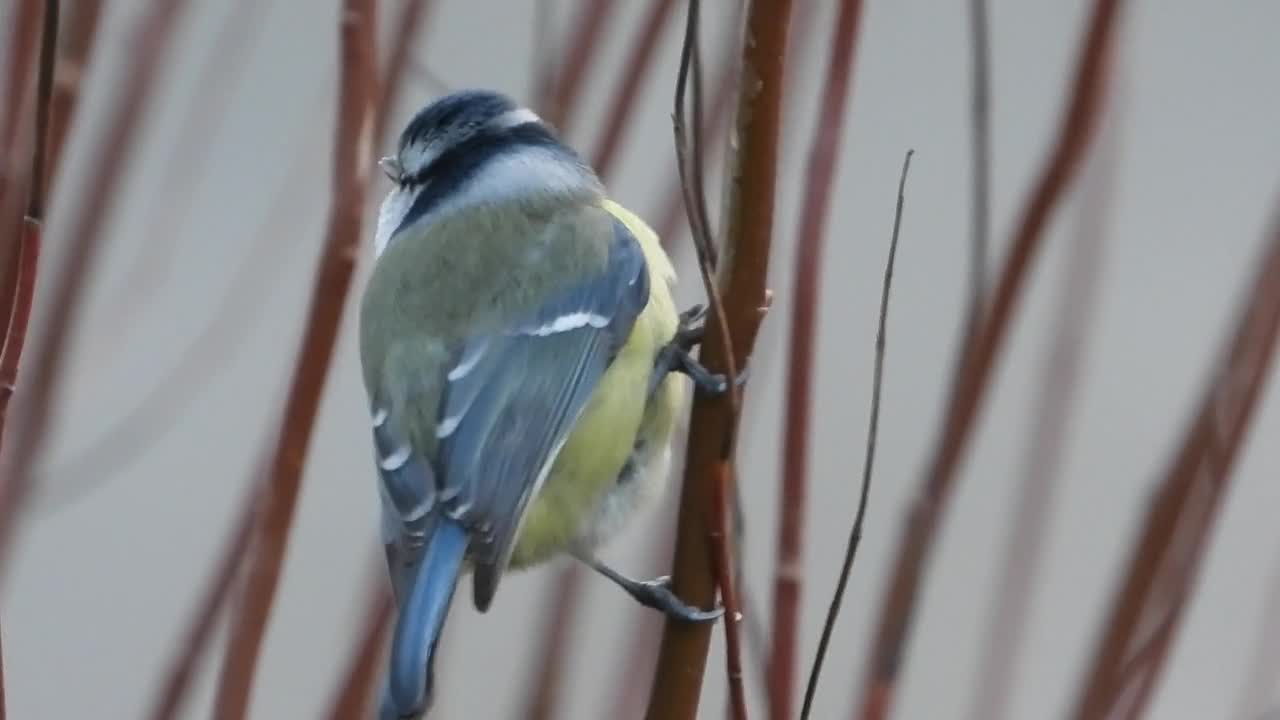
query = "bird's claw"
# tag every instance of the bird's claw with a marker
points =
(657, 594)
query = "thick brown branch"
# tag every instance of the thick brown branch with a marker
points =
(352, 157)
(925, 515)
(742, 278)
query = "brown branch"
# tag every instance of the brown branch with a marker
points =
(1163, 568)
(352, 157)
(80, 28)
(195, 643)
(354, 693)
(750, 204)
(570, 74)
(408, 26)
(811, 236)
(1053, 407)
(109, 161)
(925, 515)
(869, 459)
(13, 168)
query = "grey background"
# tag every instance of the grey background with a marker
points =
(102, 584)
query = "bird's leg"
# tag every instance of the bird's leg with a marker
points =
(675, 356)
(654, 593)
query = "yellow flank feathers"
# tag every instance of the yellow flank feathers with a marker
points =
(617, 414)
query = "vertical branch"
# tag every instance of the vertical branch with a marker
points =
(353, 695)
(703, 499)
(1147, 608)
(352, 157)
(1042, 460)
(810, 236)
(869, 460)
(49, 355)
(21, 54)
(967, 392)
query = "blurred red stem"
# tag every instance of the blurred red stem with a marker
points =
(353, 696)
(571, 71)
(408, 26)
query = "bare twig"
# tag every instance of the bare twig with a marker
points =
(353, 152)
(811, 235)
(705, 492)
(1163, 568)
(49, 355)
(203, 621)
(920, 532)
(353, 694)
(1042, 461)
(13, 167)
(869, 459)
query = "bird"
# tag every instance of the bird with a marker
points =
(525, 365)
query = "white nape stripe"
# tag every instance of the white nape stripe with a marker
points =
(379, 417)
(521, 173)
(396, 459)
(572, 321)
(446, 426)
(512, 118)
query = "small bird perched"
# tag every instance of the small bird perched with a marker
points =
(518, 338)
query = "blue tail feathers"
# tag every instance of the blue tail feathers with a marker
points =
(422, 616)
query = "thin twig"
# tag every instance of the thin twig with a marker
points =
(196, 640)
(705, 492)
(1053, 408)
(1165, 562)
(352, 153)
(869, 459)
(351, 699)
(811, 234)
(22, 46)
(969, 389)
(110, 160)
